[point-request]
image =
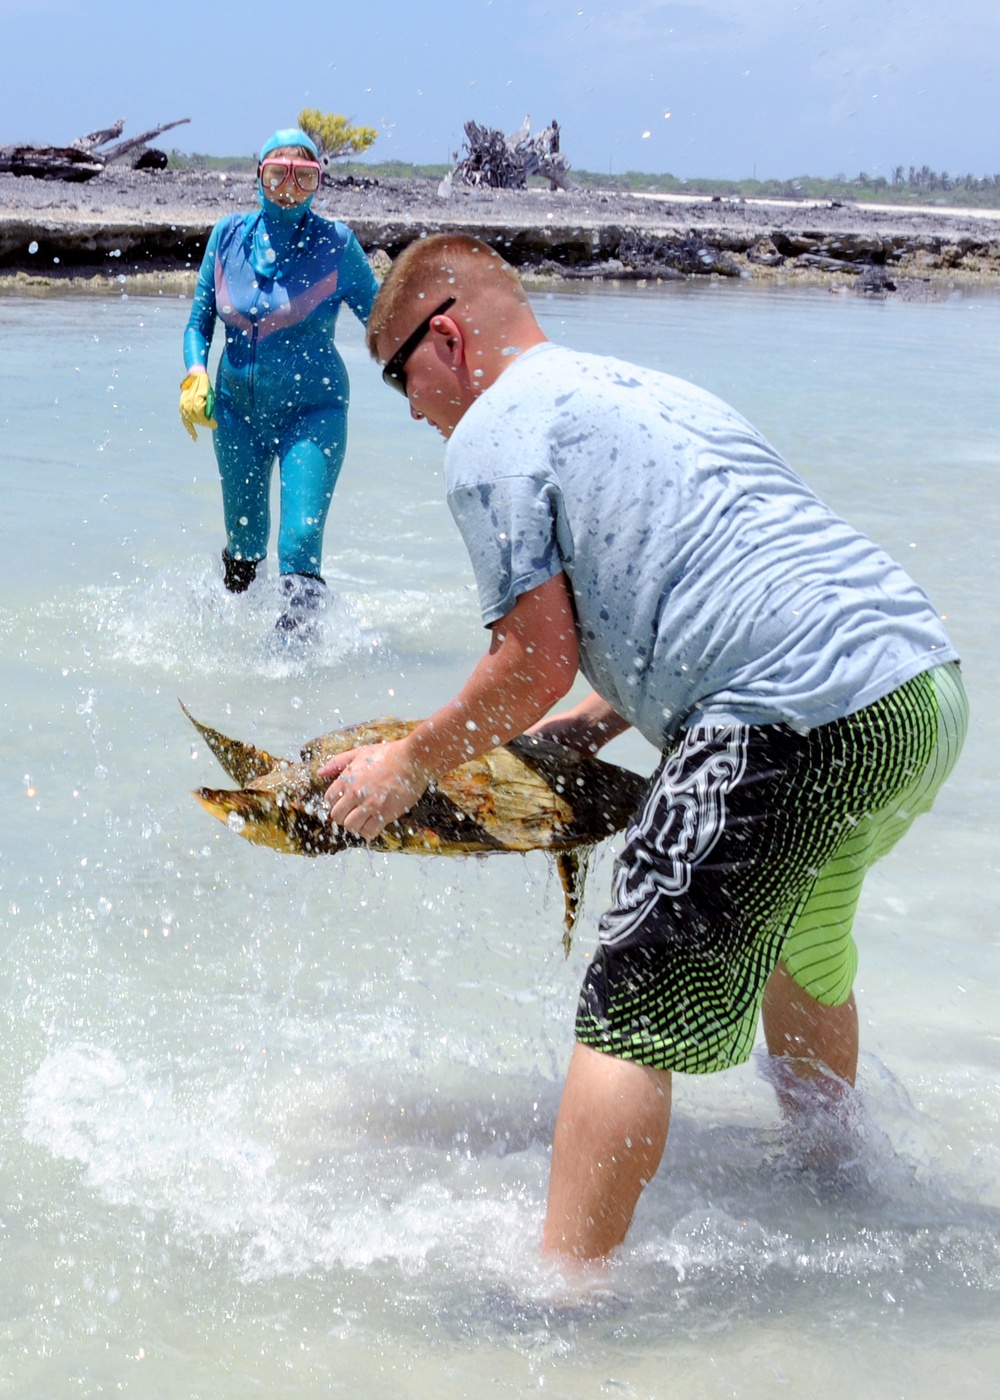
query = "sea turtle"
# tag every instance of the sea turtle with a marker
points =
(527, 795)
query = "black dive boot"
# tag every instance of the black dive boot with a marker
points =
(238, 574)
(304, 596)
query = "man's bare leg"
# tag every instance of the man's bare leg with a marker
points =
(812, 1040)
(609, 1138)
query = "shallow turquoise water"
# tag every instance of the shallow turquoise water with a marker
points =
(281, 1127)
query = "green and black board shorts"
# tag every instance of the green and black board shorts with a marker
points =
(751, 845)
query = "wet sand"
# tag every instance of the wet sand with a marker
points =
(148, 230)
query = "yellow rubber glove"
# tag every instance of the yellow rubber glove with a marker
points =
(197, 402)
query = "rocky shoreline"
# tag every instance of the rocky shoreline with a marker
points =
(148, 229)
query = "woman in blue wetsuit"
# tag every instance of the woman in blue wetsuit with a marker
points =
(276, 279)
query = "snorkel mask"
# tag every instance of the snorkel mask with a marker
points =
(273, 174)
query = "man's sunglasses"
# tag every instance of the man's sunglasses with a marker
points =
(394, 373)
(306, 174)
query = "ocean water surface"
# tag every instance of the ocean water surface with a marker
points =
(279, 1127)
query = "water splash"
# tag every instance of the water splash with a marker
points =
(354, 1172)
(182, 621)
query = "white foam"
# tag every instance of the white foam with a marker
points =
(180, 621)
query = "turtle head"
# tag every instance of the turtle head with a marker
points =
(265, 820)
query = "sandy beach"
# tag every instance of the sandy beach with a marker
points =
(148, 229)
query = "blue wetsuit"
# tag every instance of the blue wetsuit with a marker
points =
(276, 279)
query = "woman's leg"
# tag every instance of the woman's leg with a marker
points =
(310, 466)
(245, 474)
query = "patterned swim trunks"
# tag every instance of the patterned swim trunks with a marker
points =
(752, 845)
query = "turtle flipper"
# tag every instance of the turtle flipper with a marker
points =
(572, 868)
(241, 761)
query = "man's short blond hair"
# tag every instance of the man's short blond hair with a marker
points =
(432, 269)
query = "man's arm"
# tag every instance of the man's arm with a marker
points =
(587, 726)
(531, 664)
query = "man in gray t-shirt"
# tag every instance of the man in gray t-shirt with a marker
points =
(803, 693)
(708, 581)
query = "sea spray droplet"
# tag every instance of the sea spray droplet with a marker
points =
(32, 247)
(235, 822)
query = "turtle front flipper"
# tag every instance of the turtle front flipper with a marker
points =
(241, 761)
(572, 868)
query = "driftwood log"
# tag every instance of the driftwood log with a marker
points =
(49, 162)
(505, 162)
(84, 158)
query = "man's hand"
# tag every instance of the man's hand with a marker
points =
(587, 727)
(372, 786)
(530, 664)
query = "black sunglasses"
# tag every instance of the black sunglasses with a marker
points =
(394, 373)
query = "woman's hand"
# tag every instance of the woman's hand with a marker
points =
(197, 402)
(373, 786)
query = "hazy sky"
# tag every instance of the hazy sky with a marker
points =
(720, 88)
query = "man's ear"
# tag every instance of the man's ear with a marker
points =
(450, 339)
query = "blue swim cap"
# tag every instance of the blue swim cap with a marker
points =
(289, 136)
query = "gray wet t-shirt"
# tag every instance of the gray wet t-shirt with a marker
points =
(709, 581)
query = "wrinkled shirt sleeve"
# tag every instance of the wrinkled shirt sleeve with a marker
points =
(510, 526)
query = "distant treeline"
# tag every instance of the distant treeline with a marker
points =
(183, 160)
(910, 185)
(907, 185)
(387, 169)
